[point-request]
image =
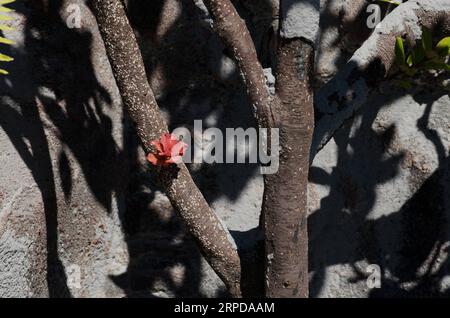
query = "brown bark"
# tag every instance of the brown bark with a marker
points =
(285, 194)
(139, 102)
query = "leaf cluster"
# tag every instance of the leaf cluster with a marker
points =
(4, 27)
(423, 56)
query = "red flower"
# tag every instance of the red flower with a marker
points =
(168, 150)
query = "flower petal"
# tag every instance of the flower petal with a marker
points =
(175, 159)
(168, 150)
(178, 149)
(166, 142)
(153, 159)
(157, 145)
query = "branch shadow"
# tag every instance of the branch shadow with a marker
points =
(192, 78)
(53, 90)
(407, 244)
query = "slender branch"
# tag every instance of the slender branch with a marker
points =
(349, 90)
(236, 37)
(128, 69)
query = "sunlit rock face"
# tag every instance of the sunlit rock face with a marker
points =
(63, 160)
(379, 195)
(80, 214)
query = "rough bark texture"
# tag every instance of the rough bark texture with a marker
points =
(285, 194)
(138, 99)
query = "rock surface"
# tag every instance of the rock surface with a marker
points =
(81, 217)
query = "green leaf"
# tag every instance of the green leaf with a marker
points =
(5, 9)
(409, 60)
(431, 54)
(410, 71)
(427, 39)
(433, 65)
(418, 55)
(443, 47)
(6, 41)
(390, 1)
(5, 27)
(5, 58)
(5, 17)
(404, 83)
(399, 51)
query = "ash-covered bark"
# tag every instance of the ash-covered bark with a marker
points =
(340, 98)
(128, 69)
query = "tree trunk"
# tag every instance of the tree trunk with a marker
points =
(285, 194)
(285, 197)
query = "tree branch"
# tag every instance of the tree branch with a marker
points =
(128, 69)
(236, 37)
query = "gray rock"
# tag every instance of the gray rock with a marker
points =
(81, 216)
